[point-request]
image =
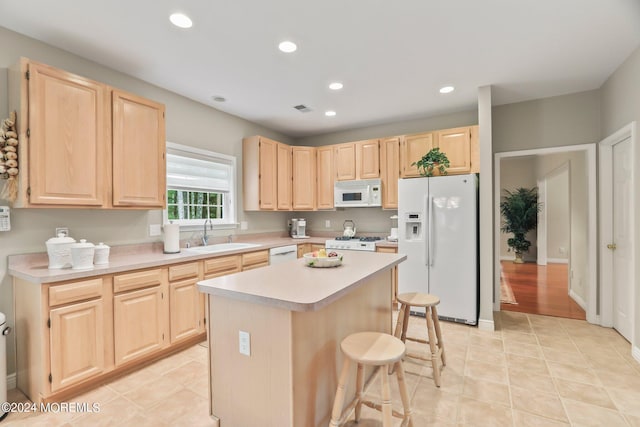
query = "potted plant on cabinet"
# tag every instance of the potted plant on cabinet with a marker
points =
(434, 162)
(519, 210)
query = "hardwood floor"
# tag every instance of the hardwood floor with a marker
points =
(540, 289)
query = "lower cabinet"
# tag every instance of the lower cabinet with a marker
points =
(256, 259)
(186, 307)
(138, 324)
(77, 342)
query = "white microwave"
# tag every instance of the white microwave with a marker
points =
(357, 194)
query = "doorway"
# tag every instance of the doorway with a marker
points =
(573, 261)
(616, 231)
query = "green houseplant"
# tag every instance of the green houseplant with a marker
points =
(433, 161)
(519, 209)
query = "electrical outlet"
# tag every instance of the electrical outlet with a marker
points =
(244, 225)
(244, 340)
(63, 230)
(562, 250)
(327, 223)
(155, 229)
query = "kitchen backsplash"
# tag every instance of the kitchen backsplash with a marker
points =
(367, 220)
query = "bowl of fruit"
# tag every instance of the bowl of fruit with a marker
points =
(323, 259)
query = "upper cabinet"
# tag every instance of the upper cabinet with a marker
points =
(412, 148)
(70, 129)
(324, 179)
(304, 178)
(284, 177)
(260, 173)
(139, 177)
(456, 144)
(390, 171)
(357, 160)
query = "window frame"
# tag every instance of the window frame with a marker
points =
(230, 202)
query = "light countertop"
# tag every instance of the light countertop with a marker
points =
(294, 286)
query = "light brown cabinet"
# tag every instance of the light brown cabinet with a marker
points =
(139, 171)
(140, 315)
(255, 259)
(185, 302)
(221, 266)
(357, 160)
(412, 148)
(456, 144)
(80, 148)
(324, 178)
(284, 184)
(260, 173)
(304, 178)
(390, 171)
(77, 342)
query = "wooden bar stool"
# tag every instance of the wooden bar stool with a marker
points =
(436, 345)
(373, 349)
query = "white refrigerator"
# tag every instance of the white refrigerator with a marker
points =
(438, 231)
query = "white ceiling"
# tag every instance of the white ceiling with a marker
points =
(392, 56)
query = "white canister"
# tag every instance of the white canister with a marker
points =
(82, 255)
(101, 256)
(59, 251)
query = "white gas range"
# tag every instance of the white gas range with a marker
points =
(353, 244)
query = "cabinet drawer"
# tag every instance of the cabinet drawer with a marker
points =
(259, 257)
(387, 250)
(222, 265)
(76, 291)
(253, 266)
(137, 280)
(183, 271)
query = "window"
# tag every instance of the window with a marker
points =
(200, 186)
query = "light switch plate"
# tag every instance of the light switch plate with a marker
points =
(155, 230)
(327, 223)
(244, 225)
(244, 340)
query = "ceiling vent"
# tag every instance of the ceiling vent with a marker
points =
(302, 108)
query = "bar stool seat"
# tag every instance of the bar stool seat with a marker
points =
(372, 349)
(436, 344)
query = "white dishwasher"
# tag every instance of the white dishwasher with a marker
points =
(282, 254)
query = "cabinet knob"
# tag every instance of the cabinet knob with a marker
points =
(611, 246)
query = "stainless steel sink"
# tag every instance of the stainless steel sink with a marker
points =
(222, 247)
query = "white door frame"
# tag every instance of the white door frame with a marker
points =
(605, 151)
(591, 281)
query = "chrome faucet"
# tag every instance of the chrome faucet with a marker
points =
(229, 238)
(205, 238)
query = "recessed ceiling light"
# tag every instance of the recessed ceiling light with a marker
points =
(181, 20)
(287, 46)
(330, 113)
(446, 89)
(219, 98)
(335, 86)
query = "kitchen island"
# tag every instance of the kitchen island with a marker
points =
(296, 317)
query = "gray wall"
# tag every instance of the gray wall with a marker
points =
(188, 123)
(549, 122)
(620, 99)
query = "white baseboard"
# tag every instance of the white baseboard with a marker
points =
(512, 257)
(578, 299)
(557, 260)
(11, 381)
(635, 352)
(486, 325)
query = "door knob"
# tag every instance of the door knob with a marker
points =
(611, 246)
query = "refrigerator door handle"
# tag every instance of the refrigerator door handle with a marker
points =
(430, 218)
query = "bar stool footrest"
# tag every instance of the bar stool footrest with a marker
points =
(348, 410)
(378, 407)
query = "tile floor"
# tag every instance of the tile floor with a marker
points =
(532, 371)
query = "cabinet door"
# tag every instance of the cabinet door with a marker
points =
(68, 143)
(367, 159)
(412, 149)
(138, 324)
(390, 171)
(184, 309)
(324, 170)
(304, 178)
(77, 343)
(268, 176)
(285, 174)
(394, 273)
(139, 169)
(456, 144)
(345, 161)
